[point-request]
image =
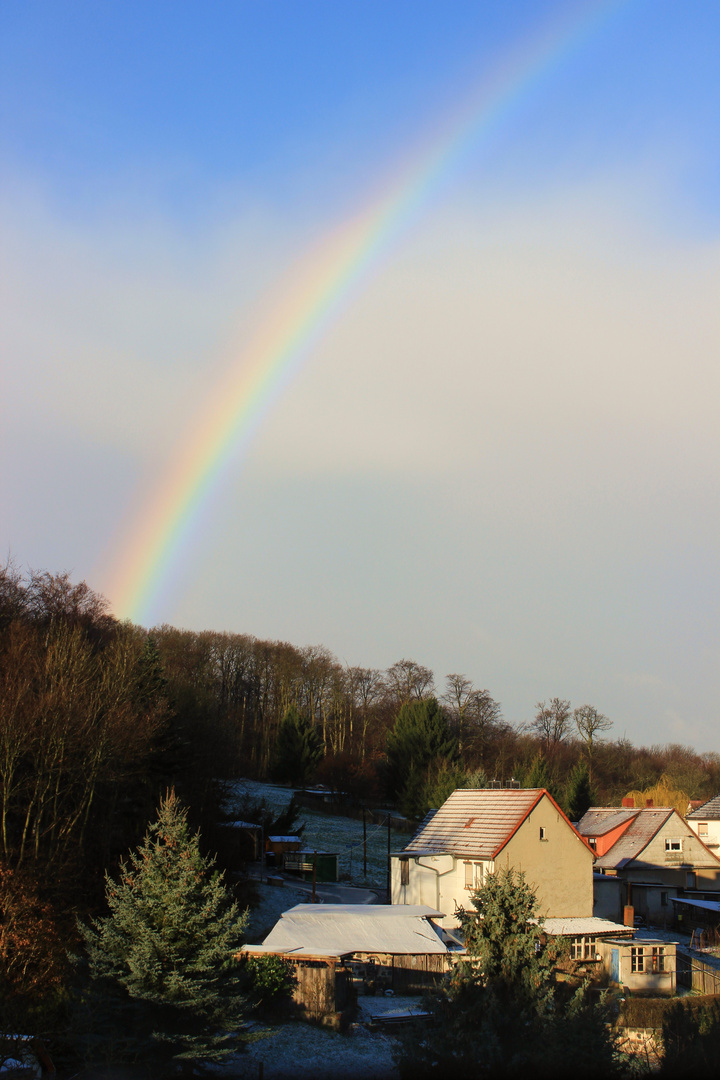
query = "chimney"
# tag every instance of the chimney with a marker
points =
(649, 803)
(628, 803)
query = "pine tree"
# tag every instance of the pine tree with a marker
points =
(169, 945)
(579, 796)
(501, 1012)
(420, 740)
(298, 749)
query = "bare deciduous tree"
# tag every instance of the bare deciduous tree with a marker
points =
(409, 681)
(590, 723)
(472, 711)
(552, 721)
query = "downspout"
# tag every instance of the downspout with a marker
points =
(438, 875)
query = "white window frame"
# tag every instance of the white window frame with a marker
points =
(658, 958)
(673, 843)
(474, 875)
(583, 948)
(637, 959)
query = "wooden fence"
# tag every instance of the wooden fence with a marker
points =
(697, 974)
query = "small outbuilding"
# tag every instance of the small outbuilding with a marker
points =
(374, 947)
(640, 965)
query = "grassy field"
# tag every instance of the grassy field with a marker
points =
(325, 832)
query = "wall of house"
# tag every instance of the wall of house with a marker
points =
(655, 864)
(557, 865)
(608, 897)
(426, 884)
(711, 838)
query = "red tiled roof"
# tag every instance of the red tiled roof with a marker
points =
(647, 822)
(476, 822)
(601, 820)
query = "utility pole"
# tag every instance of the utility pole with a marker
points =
(389, 897)
(364, 847)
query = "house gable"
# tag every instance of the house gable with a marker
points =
(478, 830)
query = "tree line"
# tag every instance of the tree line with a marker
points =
(100, 718)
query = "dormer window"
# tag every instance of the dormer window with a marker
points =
(592, 842)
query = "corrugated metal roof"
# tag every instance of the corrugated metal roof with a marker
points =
(583, 927)
(338, 929)
(709, 811)
(599, 820)
(709, 905)
(475, 822)
(636, 837)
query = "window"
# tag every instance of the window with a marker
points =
(473, 875)
(637, 959)
(690, 880)
(663, 899)
(592, 841)
(673, 845)
(582, 948)
(658, 958)
(702, 828)
(404, 871)
(542, 834)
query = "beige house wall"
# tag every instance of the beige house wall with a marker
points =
(655, 863)
(558, 867)
(556, 862)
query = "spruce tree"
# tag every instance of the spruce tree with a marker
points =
(501, 1012)
(169, 945)
(580, 796)
(298, 749)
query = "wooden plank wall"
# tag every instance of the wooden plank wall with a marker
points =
(697, 974)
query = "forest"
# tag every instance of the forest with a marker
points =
(99, 719)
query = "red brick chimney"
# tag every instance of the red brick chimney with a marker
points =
(628, 802)
(649, 803)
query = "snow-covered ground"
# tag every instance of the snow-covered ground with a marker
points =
(306, 1051)
(313, 1053)
(327, 833)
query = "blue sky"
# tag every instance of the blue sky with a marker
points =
(503, 458)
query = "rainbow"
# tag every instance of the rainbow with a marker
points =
(325, 282)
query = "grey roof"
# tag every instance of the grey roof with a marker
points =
(588, 926)
(599, 820)
(709, 905)
(645, 824)
(475, 822)
(339, 929)
(709, 811)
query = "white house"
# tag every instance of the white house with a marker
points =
(705, 823)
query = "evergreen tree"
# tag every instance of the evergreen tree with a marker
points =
(579, 796)
(501, 1013)
(298, 749)
(418, 744)
(169, 945)
(539, 774)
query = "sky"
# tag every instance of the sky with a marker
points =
(495, 447)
